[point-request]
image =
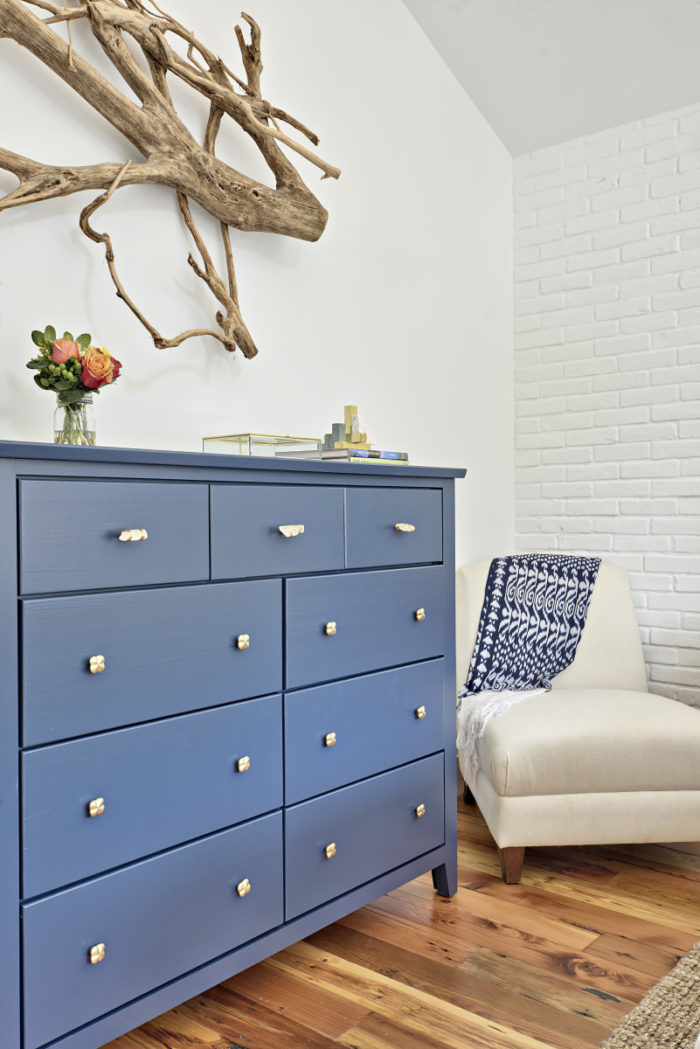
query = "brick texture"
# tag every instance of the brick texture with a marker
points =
(607, 359)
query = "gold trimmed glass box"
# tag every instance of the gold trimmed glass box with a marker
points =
(271, 445)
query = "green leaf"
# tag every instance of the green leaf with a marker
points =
(68, 397)
(84, 341)
(41, 382)
(38, 338)
(49, 333)
(67, 335)
(36, 363)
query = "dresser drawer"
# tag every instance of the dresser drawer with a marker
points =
(372, 520)
(348, 730)
(165, 652)
(245, 530)
(373, 826)
(374, 617)
(157, 920)
(69, 534)
(160, 784)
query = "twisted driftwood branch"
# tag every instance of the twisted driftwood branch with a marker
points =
(172, 156)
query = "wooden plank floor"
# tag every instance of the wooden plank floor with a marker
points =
(553, 962)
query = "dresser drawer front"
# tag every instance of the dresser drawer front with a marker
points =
(373, 539)
(245, 530)
(377, 721)
(165, 652)
(373, 826)
(157, 920)
(161, 784)
(69, 534)
(375, 622)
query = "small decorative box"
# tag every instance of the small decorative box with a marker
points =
(267, 444)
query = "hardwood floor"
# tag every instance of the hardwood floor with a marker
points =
(553, 962)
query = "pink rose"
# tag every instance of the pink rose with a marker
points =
(63, 349)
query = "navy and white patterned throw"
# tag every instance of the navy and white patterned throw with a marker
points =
(535, 607)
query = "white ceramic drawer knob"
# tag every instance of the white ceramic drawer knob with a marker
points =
(402, 526)
(243, 764)
(96, 664)
(243, 888)
(420, 713)
(419, 614)
(133, 535)
(96, 807)
(243, 641)
(420, 811)
(329, 740)
(97, 953)
(330, 850)
(331, 628)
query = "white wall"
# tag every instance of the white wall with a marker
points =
(403, 307)
(608, 369)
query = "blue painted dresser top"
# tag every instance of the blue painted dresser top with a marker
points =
(155, 457)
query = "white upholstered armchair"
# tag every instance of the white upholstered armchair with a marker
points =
(599, 759)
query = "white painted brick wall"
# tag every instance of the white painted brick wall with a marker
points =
(607, 358)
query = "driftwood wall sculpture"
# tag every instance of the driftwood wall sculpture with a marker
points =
(172, 156)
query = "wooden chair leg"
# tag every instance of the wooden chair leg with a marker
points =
(512, 863)
(468, 797)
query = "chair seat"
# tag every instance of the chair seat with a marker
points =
(592, 741)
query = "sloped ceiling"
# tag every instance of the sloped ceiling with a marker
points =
(546, 71)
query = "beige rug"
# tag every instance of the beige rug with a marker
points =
(668, 1016)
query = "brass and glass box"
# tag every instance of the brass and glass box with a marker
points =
(264, 444)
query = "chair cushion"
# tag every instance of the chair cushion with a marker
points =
(581, 741)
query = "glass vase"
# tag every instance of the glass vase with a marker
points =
(75, 423)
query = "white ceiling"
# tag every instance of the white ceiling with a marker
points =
(546, 71)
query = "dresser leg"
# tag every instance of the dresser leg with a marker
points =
(445, 878)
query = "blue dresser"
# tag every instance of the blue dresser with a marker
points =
(226, 718)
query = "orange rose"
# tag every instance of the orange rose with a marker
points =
(99, 368)
(63, 349)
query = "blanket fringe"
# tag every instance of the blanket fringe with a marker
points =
(474, 711)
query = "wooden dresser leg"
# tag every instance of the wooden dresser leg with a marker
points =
(468, 797)
(512, 863)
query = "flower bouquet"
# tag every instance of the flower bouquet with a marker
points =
(74, 369)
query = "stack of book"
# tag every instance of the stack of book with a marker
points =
(366, 456)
